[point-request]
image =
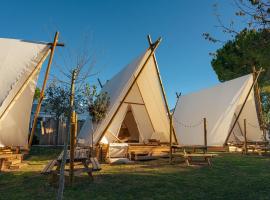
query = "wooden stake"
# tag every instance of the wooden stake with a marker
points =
(205, 132)
(245, 135)
(242, 107)
(42, 91)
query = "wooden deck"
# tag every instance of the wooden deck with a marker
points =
(10, 159)
(141, 151)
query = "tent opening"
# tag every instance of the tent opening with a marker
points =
(129, 131)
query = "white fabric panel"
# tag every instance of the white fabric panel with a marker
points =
(218, 104)
(134, 95)
(237, 135)
(116, 88)
(118, 150)
(14, 126)
(143, 122)
(18, 59)
(249, 113)
(118, 119)
(151, 92)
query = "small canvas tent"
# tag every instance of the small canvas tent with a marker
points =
(220, 105)
(137, 110)
(20, 64)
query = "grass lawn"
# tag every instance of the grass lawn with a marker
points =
(233, 176)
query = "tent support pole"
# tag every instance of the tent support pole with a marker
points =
(245, 101)
(161, 85)
(153, 48)
(205, 133)
(245, 136)
(171, 125)
(42, 91)
(259, 103)
(238, 125)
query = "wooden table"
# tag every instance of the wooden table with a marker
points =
(82, 156)
(207, 158)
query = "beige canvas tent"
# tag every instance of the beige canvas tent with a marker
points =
(20, 64)
(138, 110)
(220, 105)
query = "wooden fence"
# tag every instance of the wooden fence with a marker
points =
(46, 132)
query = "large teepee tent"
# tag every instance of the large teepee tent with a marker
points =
(20, 64)
(220, 105)
(137, 107)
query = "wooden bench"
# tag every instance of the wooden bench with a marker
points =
(81, 157)
(189, 153)
(96, 166)
(49, 167)
(188, 157)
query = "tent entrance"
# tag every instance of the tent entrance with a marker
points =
(129, 131)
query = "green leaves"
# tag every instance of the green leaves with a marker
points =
(237, 57)
(98, 103)
(57, 100)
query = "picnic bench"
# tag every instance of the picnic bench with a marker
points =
(205, 157)
(190, 154)
(82, 156)
(259, 147)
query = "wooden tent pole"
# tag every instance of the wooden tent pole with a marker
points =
(245, 136)
(161, 85)
(171, 125)
(205, 132)
(242, 107)
(42, 91)
(259, 103)
(153, 48)
(239, 125)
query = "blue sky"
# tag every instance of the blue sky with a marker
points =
(118, 29)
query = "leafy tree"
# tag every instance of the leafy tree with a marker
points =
(237, 57)
(37, 93)
(97, 105)
(57, 103)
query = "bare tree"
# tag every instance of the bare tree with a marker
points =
(76, 71)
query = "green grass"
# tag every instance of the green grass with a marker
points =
(232, 176)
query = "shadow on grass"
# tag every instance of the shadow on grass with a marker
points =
(43, 153)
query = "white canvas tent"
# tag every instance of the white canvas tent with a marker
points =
(20, 64)
(137, 104)
(220, 105)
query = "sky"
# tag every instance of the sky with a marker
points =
(117, 30)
